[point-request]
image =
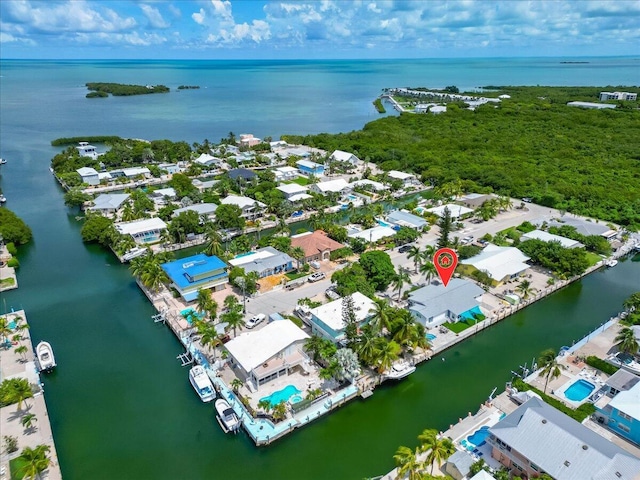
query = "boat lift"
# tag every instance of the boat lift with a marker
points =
(160, 317)
(186, 358)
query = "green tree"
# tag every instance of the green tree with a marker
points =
(549, 365)
(12, 228)
(181, 183)
(229, 217)
(409, 466)
(386, 353)
(415, 254)
(298, 254)
(524, 288)
(439, 448)
(15, 390)
(378, 268)
(213, 246)
(233, 316)
(366, 344)
(626, 341)
(382, 315)
(399, 280)
(428, 269)
(445, 223)
(97, 228)
(34, 461)
(28, 421)
(75, 197)
(633, 302)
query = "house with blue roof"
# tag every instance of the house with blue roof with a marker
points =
(190, 274)
(307, 167)
(436, 304)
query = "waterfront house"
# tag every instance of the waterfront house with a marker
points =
(241, 175)
(373, 234)
(475, 200)
(144, 231)
(132, 172)
(340, 156)
(208, 160)
(291, 189)
(403, 218)
(190, 274)
(164, 193)
(317, 246)
(536, 438)
(206, 211)
(108, 204)
(86, 150)
(500, 263)
(264, 261)
(88, 175)
(248, 140)
(250, 208)
(170, 168)
(271, 352)
(407, 179)
(549, 237)
(327, 321)
(339, 185)
(307, 167)
(204, 185)
(286, 173)
(435, 304)
(583, 227)
(368, 185)
(456, 211)
(618, 408)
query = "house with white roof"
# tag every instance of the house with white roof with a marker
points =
(339, 185)
(373, 234)
(475, 200)
(435, 304)
(291, 189)
(263, 355)
(407, 179)
(619, 408)
(205, 211)
(500, 263)
(550, 237)
(457, 211)
(584, 227)
(89, 175)
(327, 322)
(369, 185)
(203, 185)
(403, 218)
(144, 231)
(170, 168)
(536, 438)
(307, 167)
(208, 160)
(250, 208)
(86, 150)
(264, 261)
(108, 203)
(168, 192)
(285, 173)
(130, 172)
(340, 156)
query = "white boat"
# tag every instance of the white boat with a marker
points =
(625, 361)
(46, 360)
(227, 418)
(611, 262)
(2, 161)
(399, 370)
(2, 198)
(201, 383)
(133, 253)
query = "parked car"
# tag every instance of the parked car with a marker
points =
(315, 265)
(331, 293)
(404, 248)
(466, 240)
(316, 276)
(483, 243)
(255, 320)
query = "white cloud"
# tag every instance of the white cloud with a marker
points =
(199, 17)
(154, 17)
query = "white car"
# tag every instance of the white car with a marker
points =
(467, 240)
(316, 276)
(255, 320)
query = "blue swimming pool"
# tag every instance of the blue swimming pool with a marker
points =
(382, 223)
(430, 336)
(579, 390)
(479, 437)
(281, 395)
(187, 313)
(296, 398)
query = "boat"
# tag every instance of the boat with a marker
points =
(2, 198)
(227, 418)
(201, 383)
(611, 262)
(2, 161)
(46, 360)
(399, 370)
(624, 361)
(134, 253)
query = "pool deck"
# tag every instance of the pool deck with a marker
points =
(12, 365)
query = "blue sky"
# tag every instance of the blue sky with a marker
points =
(217, 29)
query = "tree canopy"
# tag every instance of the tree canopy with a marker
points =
(12, 228)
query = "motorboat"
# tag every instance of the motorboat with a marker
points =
(2, 161)
(134, 253)
(399, 370)
(2, 198)
(625, 361)
(227, 418)
(46, 360)
(611, 262)
(201, 383)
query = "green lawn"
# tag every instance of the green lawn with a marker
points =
(457, 327)
(302, 181)
(294, 275)
(593, 258)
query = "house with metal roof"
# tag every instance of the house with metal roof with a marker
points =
(372, 234)
(475, 200)
(264, 261)
(584, 227)
(341, 156)
(285, 173)
(291, 189)
(407, 179)
(403, 218)
(89, 175)
(456, 211)
(339, 185)
(327, 322)
(208, 160)
(500, 263)
(307, 167)
(435, 304)
(241, 174)
(274, 351)
(618, 408)
(550, 237)
(536, 438)
(250, 208)
(459, 464)
(206, 210)
(144, 231)
(108, 203)
(190, 274)
(316, 245)
(86, 150)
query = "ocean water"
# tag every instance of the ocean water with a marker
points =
(119, 402)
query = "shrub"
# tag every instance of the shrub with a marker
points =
(579, 414)
(11, 248)
(13, 262)
(601, 365)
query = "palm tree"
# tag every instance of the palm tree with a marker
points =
(233, 316)
(626, 341)
(428, 269)
(153, 276)
(428, 252)
(298, 254)
(416, 254)
(408, 463)
(34, 461)
(22, 351)
(386, 353)
(5, 331)
(17, 391)
(366, 344)
(550, 368)
(28, 420)
(264, 405)
(439, 448)
(524, 288)
(404, 332)
(214, 242)
(209, 337)
(236, 383)
(381, 315)
(400, 279)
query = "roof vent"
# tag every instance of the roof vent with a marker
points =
(544, 420)
(585, 447)
(618, 474)
(567, 463)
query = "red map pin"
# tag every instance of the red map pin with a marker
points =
(445, 261)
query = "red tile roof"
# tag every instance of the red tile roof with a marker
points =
(315, 243)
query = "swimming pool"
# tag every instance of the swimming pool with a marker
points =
(430, 336)
(579, 390)
(187, 313)
(382, 223)
(282, 395)
(295, 399)
(479, 437)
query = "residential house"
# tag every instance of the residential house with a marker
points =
(144, 231)
(456, 211)
(332, 186)
(206, 211)
(458, 465)
(204, 185)
(170, 168)
(316, 245)
(372, 234)
(327, 320)
(619, 406)
(435, 304)
(108, 204)
(549, 237)
(284, 174)
(536, 438)
(251, 208)
(475, 200)
(291, 189)
(169, 193)
(369, 185)
(241, 175)
(604, 96)
(208, 160)
(132, 172)
(265, 262)
(500, 263)
(198, 272)
(263, 355)
(86, 150)
(407, 179)
(583, 227)
(248, 140)
(402, 218)
(89, 175)
(340, 156)
(307, 167)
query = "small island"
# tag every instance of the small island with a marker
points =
(188, 87)
(100, 90)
